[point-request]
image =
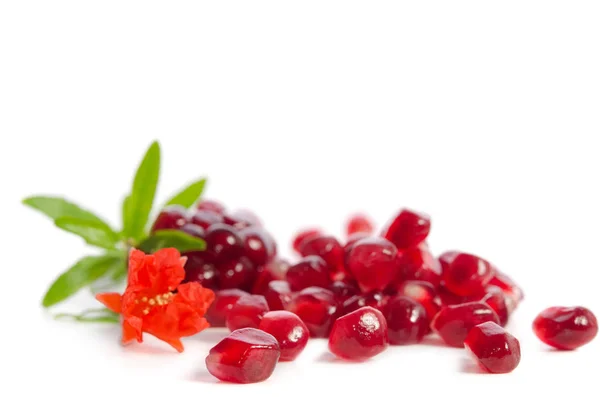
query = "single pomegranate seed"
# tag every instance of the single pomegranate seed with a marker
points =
(172, 217)
(372, 262)
(328, 248)
(291, 333)
(418, 263)
(510, 288)
(237, 273)
(407, 321)
(206, 219)
(224, 242)
(245, 356)
(317, 307)
(303, 236)
(236, 222)
(566, 328)
(467, 275)
(453, 323)
(274, 270)
(447, 257)
(494, 349)
(422, 292)
(311, 271)
(352, 240)
(278, 295)
(211, 206)
(248, 217)
(221, 306)
(359, 224)
(408, 229)
(193, 230)
(448, 298)
(199, 267)
(372, 299)
(247, 312)
(359, 335)
(496, 299)
(344, 289)
(259, 246)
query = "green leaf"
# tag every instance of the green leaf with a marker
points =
(189, 195)
(84, 272)
(91, 316)
(126, 214)
(172, 239)
(56, 207)
(93, 232)
(138, 205)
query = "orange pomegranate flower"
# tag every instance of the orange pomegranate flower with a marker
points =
(149, 303)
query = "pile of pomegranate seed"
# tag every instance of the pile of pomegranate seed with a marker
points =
(364, 294)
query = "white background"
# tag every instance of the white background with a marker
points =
(483, 114)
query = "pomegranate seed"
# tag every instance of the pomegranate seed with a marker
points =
(566, 328)
(453, 323)
(352, 240)
(372, 262)
(224, 301)
(248, 217)
(467, 275)
(278, 295)
(446, 258)
(408, 229)
(274, 270)
(359, 224)
(211, 206)
(302, 237)
(372, 299)
(172, 217)
(199, 267)
(247, 312)
(344, 289)
(510, 288)
(224, 242)
(496, 299)
(407, 321)
(237, 273)
(245, 356)
(235, 222)
(311, 271)
(447, 298)
(291, 333)
(422, 292)
(317, 307)
(418, 263)
(193, 230)
(259, 246)
(206, 219)
(359, 335)
(494, 349)
(328, 248)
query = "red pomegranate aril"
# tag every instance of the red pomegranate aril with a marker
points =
(328, 248)
(372, 262)
(359, 224)
(274, 270)
(566, 328)
(193, 230)
(206, 219)
(507, 285)
(317, 307)
(372, 299)
(248, 217)
(359, 335)
(494, 349)
(344, 289)
(172, 217)
(245, 356)
(236, 222)
(352, 240)
(278, 295)
(311, 271)
(236, 273)
(289, 330)
(422, 292)
(447, 257)
(467, 274)
(419, 264)
(304, 235)
(247, 312)
(448, 298)
(453, 323)
(408, 229)
(407, 320)
(497, 300)
(211, 206)
(199, 268)
(221, 306)
(224, 242)
(259, 246)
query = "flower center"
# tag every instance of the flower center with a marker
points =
(150, 302)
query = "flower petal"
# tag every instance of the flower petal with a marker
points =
(169, 268)
(111, 300)
(132, 329)
(193, 294)
(142, 270)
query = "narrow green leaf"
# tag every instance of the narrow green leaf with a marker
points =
(189, 195)
(172, 239)
(93, 232)
(84, 272)
(57, 207)
(138, 205)
(91, 316)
